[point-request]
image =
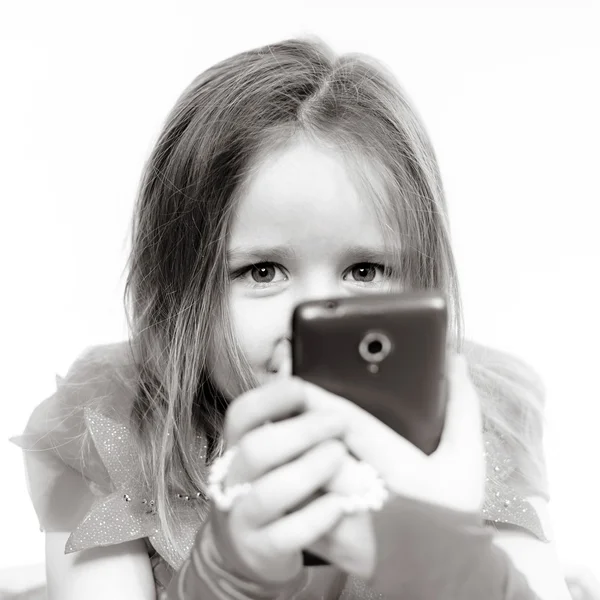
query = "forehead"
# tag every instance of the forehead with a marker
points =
(306, 190)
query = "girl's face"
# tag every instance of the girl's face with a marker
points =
(302, 230)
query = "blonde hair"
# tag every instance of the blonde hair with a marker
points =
(227, 119)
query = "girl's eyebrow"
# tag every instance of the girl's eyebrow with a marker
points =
(260, 253)
(282, 253)
(369, 253)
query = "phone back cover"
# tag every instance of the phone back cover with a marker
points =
(408, 390)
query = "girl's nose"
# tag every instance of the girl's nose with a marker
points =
(316, 289)
(319, 288)
(281, 362)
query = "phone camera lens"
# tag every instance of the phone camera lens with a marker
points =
(375, 347)
(331, 304)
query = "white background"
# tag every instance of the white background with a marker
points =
(509, 92)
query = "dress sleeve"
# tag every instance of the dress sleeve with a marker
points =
(83, 463)
(507, 502)
(64, 471)
(513, 402)
(513, 398)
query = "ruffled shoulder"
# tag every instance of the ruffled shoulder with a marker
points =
(64, 471)
(512, 397)
(82, 461)
(128, 512)
(504, 503)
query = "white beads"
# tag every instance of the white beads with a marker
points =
(367, 477)
(375, 497)
(224, 497)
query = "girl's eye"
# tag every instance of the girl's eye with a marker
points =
(264, 273)
(367, 272)
(260, 274)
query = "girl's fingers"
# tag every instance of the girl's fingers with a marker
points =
(274, 401)
(304, 527)
(366, 436)
(273, 445)
(284, 488)
(406, 469)
(350, 545)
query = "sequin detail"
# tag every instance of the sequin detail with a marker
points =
(502, 504)
(357, 589)
(123, 515)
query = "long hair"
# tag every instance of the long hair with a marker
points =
(228, 118)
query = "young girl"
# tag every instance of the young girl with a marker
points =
(284, 174)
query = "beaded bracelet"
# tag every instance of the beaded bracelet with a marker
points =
(371, 501)
(224, 497)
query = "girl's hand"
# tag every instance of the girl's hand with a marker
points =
(453, 476)
(287, 462)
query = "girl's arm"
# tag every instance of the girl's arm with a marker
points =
(121, 572)
(216, 571)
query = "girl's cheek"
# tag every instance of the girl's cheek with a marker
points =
(258, 325)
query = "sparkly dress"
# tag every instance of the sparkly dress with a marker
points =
(83, 477)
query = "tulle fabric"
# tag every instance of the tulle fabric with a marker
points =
(64, 471)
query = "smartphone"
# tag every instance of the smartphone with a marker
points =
(385, 352)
